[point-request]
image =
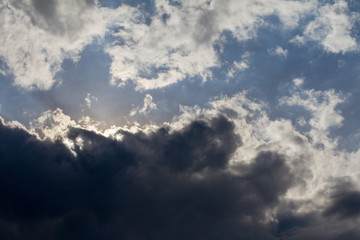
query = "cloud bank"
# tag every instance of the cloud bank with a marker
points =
(223, 172)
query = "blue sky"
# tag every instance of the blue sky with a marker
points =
(284, 72)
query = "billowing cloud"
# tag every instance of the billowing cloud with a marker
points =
(176, 186)
(225, 171)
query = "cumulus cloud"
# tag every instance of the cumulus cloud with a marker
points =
(162, 191)
(224, 171)
(191, 179)
(308, 148)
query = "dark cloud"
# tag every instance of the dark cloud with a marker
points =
(47, 8)
(165, 185)
(345, 202)
(337, 221)
(207, 28)
(294, 225)
(47, 15)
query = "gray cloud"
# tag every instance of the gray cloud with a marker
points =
(163, 185)
(49, 15)
(345, 202)
(143, 187)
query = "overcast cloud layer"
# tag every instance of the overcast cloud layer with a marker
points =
(179, 119)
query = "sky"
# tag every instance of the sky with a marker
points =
(179, 119)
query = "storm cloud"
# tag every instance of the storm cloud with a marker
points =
(345, 202)
(163, 185)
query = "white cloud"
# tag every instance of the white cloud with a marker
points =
(279, 51)
(321, 104)
(89, 99)
(12, 124)
(179, 40)
(161, 53)
(53, 125)
(37, 36)
(298, 82)
(238, 66)
(332, 28)
(148, 106)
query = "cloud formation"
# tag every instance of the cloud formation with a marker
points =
(332, 27)
(157, 49)
(222, 120)
(176, 186)
(180, 39)
(211, 173)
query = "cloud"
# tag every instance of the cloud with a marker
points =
(279, 51)
(148, 106)
(160, 185)
(227, 171)
(310, 149)
(345, 202)
(39, 35)
(89, 99)
(332, 28)
(298, 82)
(232, 168)
(238, 66)
(322, 105)
(173, 43)
(162, 52)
